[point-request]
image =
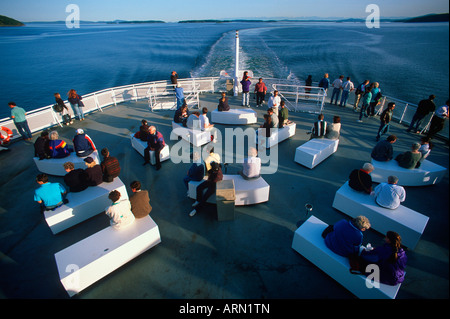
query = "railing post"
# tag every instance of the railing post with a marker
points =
(403, 114)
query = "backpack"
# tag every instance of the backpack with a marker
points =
(58, 108)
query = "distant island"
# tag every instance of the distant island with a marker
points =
(134, 22)
(443, 17)
(9, 22)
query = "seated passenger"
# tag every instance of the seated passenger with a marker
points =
(75, 179)
(83, 144)
(274, 117)
(333, 130)
(390, 258)
(389, 195)
(120, 211)
(214, 175)
(425, 147)
(94, 174)
(181, 115)
(140, 201)
(410, 159)
(41, 148)
(283, 116)
(204, 120)
(360, 179)
(212, 157)
(251, 168)
(49, 195)
(193, 121)
(383, 150)
(223, 103)
(345, 237)
(110, 166)
(319, 128)
(143, 130)
(195, 172)
(58, 148)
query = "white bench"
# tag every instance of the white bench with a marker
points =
(195, 137)
(277, 135)
(96, 256)
(140, 146)
(427, 174)
(313, 152)
(83, 205)
(406, 222)
(309, 243)
(247, 192)
(234, 117)
(54, 166)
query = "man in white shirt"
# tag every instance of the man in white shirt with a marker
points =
(389, 195)
(347, 87)
(337, 87)
(251, 168)
(204, 120)
(274, 102)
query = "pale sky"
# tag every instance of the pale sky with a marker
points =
(176, 10)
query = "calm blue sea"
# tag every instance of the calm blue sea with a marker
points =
(411, 61)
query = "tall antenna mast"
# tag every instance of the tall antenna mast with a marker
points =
(236, 67)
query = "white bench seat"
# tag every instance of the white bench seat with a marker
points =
(247, 192)
(140, 146)
(195, 137)
(315, 151)
(406, 222)
(427, 174)
(83, 205)
(87, 261)
(54, 166)
(234, 117)
(309, 243)
(277, 135)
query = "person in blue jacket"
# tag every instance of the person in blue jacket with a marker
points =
(345, 238)
(246, 89)
(196, 172)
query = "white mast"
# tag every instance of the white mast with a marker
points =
(236, 68)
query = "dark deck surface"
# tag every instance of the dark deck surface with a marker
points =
(247, 258)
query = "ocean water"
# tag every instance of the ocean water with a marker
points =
(410, 61)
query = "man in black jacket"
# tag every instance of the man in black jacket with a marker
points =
(423, 109)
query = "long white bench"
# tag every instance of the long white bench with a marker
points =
(309, 243)
(277, 135)
(406, 222)
(427, 174)
(247, 192)
(315, 151)
(83, 205)
(96, 256)
(234, 117)
(195, 137)
(54, 166)
(140, 146)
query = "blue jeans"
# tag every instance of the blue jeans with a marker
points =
(383, 129)
(77, 111)
(179, 102)
(363, 111)
(245, 98)
(23, 129)
(337, 93)
(417, 118)
(344, 98)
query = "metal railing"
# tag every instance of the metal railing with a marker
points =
(294, 93)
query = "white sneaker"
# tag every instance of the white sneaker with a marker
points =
(192, 213)
(360, 121)
(195, 204)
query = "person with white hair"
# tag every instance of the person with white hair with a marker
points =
(360, 179)
(389, 195)
(83, 144)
